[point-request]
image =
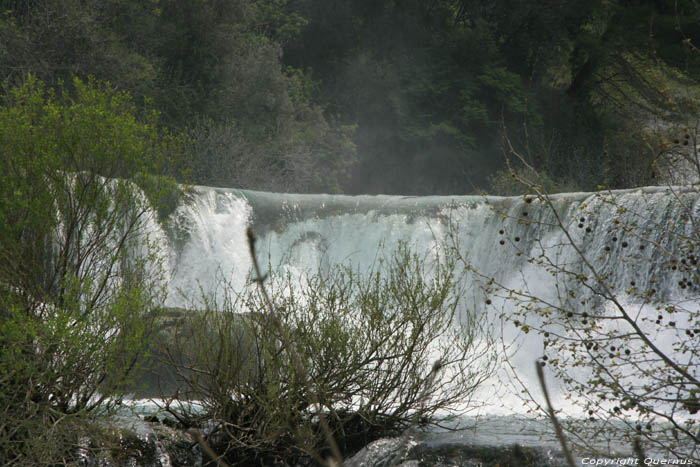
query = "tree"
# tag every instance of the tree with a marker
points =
(58, 39)
(81, 277)
(419, 83)
(212, 67)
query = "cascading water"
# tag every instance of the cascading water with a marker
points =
(497, 236)
(311, 232)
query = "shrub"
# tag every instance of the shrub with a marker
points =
(620, 340)
(80, 276)
(370, 345)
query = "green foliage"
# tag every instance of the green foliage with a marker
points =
(431, 86)
(80, 276)
(163, 192)
(423, 124)
(427, 86)
(56, 40)
(312, 155)
(505, 183)
(369, 346)
(279, 22)
(507, 86)
(256, 127)
(194, 61)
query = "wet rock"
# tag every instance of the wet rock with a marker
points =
(381, 453)
(402, 452)
(137, 443)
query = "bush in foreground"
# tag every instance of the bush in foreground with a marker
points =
(380, 352)
(79, 274)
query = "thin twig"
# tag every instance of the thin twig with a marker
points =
(638, 451)
(337, 459)
(425, 395)
(206, 448)
(553, 418)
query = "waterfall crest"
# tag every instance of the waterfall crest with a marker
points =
(311, 232)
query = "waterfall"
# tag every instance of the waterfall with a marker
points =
(632, 236)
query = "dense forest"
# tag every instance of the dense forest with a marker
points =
(385, 96)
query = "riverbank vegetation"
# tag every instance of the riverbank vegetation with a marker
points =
(381, 96)
(81, 276)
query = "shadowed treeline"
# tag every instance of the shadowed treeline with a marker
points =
(407, 97)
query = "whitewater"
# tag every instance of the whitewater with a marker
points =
(205, 242)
